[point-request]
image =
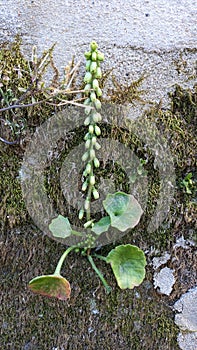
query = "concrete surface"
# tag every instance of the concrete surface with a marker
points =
(155, 37)
(152, 25)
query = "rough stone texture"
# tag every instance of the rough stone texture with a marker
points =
(155, 38)
(184, 243)
(164, 280)
(158, 261)
(187, 341)
(154, 25)
(186, 319)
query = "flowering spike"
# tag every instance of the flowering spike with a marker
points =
(92, 91)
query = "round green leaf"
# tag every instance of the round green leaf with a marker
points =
(60, 227)
(51, 286)
(123, 209)
(128, 264)
(102, 225)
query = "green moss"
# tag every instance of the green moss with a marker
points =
(183, 102)
(137, 319)
(22, 83)
(149, 326)
(178, 126)
(13, 208)
(127, 93)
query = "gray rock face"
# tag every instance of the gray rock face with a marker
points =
(164, 280)
(186, 319)
(187, 341)
(158, 261)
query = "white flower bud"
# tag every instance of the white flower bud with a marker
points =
(84, 186)
(91, 129)
(95, 194)
(85, 173)
(98, 74)
(96, 117)
(87, 89)
(88, 63)
(93, 69)
(87, 204)
(94, 56)
(93, 45)
(95, 84)
(92, 154)
(88, 110)
(97, 130)
(97, 104)
(99, 92)
(93, 140)
(100, 56)
(92, 180)
(87, 121)
(87, 144)
(88, 77)
(88, 168)
(93, 96)
(88, 223)
(97, 146)
(96, 163)
(81, 214)
(85, 156)
(87, 136)
(87, 101)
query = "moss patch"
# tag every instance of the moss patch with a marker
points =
(13, 208)
(91, 319)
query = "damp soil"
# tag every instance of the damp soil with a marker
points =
(141, 318)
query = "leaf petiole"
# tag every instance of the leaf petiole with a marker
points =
(100, 257)
(61, 260)
(107, 287)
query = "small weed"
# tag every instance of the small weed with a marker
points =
(187, 183)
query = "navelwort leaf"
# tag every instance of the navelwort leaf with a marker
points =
(128, 264)
(51, 286)
(102, 225)
(123, 209)
(60, 227)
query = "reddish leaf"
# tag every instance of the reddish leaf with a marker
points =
(51, 286)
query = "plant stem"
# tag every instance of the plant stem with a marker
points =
(88, 211)
(100, 257)
(107, 287)
(61, 260)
